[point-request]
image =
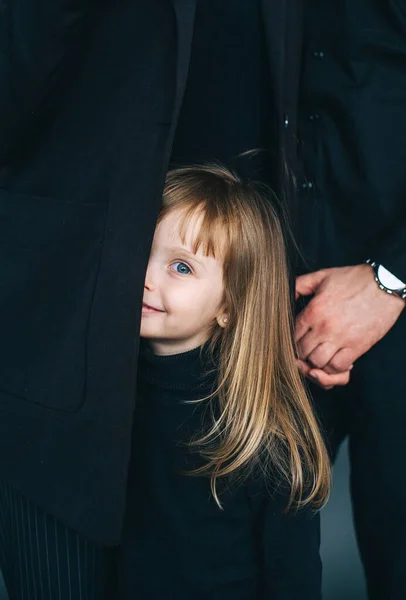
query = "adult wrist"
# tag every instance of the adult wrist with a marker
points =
(387, 281)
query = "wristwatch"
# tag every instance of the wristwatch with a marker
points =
(387, 281)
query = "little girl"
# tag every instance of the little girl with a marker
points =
(228, 463)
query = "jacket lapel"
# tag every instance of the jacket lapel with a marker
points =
(185, 16)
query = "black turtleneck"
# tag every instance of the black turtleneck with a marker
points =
(177, 543)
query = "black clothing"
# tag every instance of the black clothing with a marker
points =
(41, 558)
(89, 100)
(177, 543)
(352, 133)
(231, 104)
(88, 95)
(352, 207)
(228, 107)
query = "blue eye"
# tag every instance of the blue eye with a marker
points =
(181, 268)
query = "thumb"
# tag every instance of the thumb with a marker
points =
(308, 284)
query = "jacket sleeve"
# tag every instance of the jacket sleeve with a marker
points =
(291, 550)
(39, 40)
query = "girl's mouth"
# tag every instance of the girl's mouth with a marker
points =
(146, 308)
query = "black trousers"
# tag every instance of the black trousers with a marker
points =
(41, 559)
(371, 411)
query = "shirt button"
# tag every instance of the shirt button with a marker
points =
(286, 121)
(318, 54)
(314, 117)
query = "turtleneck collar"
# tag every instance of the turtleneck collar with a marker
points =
(188, 371)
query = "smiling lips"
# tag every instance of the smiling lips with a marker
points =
(146, 308)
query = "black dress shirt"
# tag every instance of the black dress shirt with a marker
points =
(352, 132)
(177, 542)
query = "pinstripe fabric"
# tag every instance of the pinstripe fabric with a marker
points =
(43, 560)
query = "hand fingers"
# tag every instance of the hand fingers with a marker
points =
(304, 367)
(306, 344)
(328, 381)
(331, 371)
(321, 355)
(342, 361)
(308, 284)
(302, 324)
(311, 342)
(320, 377)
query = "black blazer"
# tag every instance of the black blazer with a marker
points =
(90, 94)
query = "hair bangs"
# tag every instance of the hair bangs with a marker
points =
(212, 235)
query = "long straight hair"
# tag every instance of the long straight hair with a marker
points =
(264, 416)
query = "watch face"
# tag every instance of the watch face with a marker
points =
(388, 280)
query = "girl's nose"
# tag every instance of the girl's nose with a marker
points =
(149, 281)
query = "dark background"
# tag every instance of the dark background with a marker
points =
(342, 569)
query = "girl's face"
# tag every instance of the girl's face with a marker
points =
(183, 291)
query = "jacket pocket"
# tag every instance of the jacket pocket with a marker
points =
(50, 252)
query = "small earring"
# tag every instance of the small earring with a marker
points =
(225, 320)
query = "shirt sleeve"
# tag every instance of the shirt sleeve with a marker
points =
(38, 42)
(290, 546)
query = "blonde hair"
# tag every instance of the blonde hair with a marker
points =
(264, 415)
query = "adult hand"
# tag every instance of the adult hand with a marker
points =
(347, 315)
